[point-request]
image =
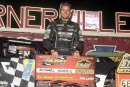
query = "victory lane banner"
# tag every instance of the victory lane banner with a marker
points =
(65, 70)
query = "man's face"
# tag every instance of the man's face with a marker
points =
(65, 12)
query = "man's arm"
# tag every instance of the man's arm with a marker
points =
(48, 37)
(79, 39)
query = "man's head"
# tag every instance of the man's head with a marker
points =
(65, 10)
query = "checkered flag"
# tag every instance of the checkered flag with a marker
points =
(21, 72)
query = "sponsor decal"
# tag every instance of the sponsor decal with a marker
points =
(84, 63)
(84, 71)
(60, 25)
(125, 83)
(43, 83)
(70, 26)
(53, 61)
(18, 41)
(29, 65)
(124, 66)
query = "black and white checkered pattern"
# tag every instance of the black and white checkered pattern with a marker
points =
(15, 74)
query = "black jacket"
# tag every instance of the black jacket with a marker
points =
(61, 36)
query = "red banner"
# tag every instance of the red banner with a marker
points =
(66, 70)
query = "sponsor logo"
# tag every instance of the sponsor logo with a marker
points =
(29, 65)
(86, 78)
(60, 28)
(64, 39)
(125, 83)
(17, 41)
(43, 83)
(70, 29)
(124, 66)
(69, 33)
(24, 54)
(53, 61)
(60, 25)
(60, 33)
(83, 64)
(84, 71)
(70, 26)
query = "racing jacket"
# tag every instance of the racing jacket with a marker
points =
(61, 36)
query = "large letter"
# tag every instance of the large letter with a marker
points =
(118, 22)
(123, 83)
(78, 17)
(28, 17)
(10, 11)
(75, 16)
(49, 17)
(2, 13)
(101, 30)
(26, 53)
(128, 83)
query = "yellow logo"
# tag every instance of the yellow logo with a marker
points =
(124, 66)
(53, 61)
(83, 64)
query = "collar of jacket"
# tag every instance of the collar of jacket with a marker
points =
(64, 22)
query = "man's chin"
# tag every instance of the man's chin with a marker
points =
(65, 18)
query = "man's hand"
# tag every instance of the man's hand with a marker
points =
(76, 54)
(54, 54)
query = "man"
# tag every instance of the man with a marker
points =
(63, 33)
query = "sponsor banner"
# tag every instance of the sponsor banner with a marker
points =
(66, 69)
(124, 66)
(123, 72)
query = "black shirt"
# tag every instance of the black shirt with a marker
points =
(63, 35)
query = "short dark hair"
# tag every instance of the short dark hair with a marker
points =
(65, 3)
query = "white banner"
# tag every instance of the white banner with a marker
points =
(52, 70)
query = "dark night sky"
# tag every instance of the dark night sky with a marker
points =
(108, 7)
